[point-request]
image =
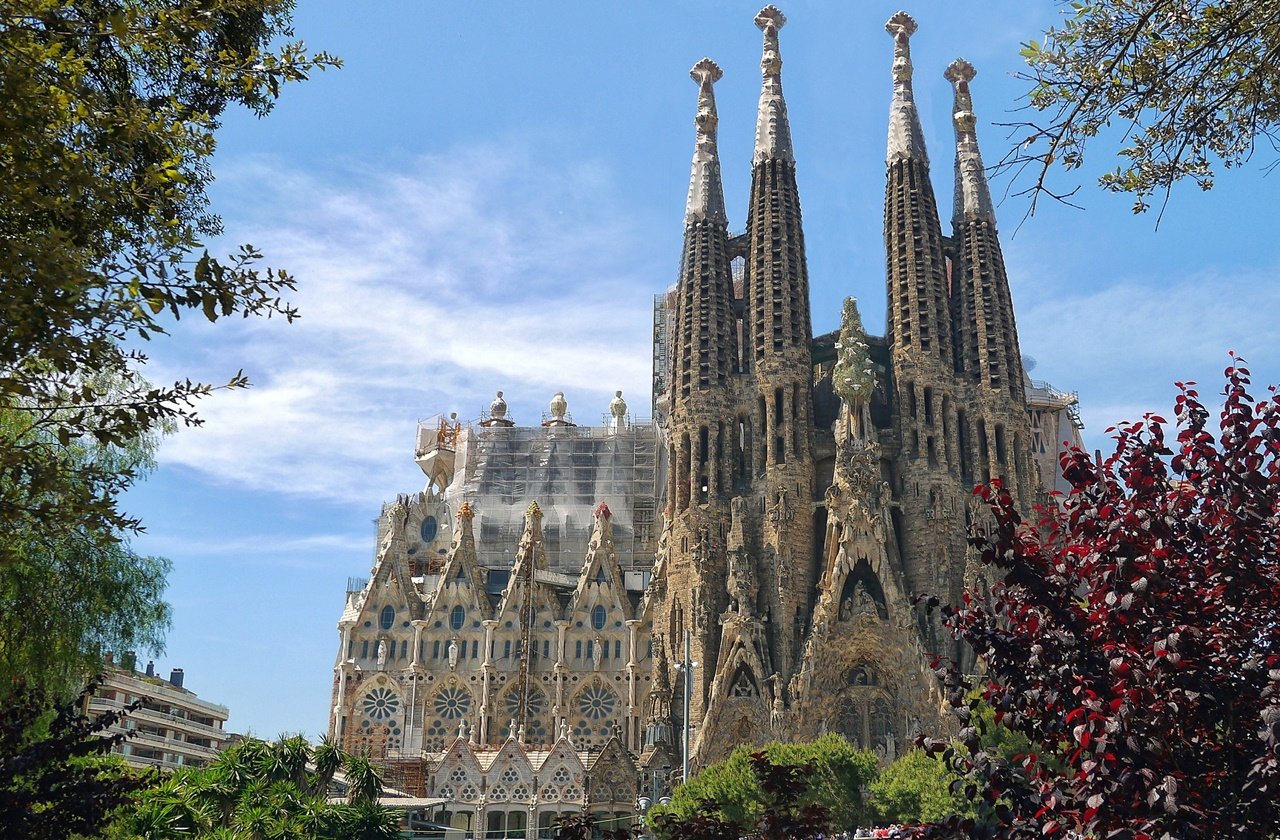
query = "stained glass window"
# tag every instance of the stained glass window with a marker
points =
(597, 702)
(380, 704)
(452, 703)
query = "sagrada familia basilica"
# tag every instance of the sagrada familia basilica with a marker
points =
(526, 640)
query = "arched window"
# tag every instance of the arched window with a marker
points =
(388, 617)
(598, 617)
(457, 618)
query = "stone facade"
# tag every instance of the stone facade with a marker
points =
(808, 489)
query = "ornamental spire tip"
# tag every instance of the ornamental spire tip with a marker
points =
(972, 194)
(773, 131)
(906, 138)
(706, 195)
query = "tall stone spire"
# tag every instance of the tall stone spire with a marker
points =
(779, 417)
(919, 330)
(706, 196)
(973, 196)
(705, 346)
(906, 139)
(986, 336)
(773, 132)
(919, 309)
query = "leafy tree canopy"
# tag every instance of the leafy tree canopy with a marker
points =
(1133, 636)
(734, 792)
(1182, 84)
(66, 598)
(257, 790)
(917, 788)
(105, 141)
(56, 779)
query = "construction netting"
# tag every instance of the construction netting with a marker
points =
(568, 471)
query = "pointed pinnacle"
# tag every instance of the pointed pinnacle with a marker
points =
(706, 195)
(773, 132)
(906, 138)
(972, 194)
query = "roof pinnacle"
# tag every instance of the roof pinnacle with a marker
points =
(972, 195)
(906, 139)
(706, 196)
(773, 132)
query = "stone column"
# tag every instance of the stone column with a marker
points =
(418, 626)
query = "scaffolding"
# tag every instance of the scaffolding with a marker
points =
(568, 471)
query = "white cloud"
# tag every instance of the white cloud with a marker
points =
(1123, 345)
(420, 292)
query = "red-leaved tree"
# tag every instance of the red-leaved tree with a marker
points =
(1134, 638)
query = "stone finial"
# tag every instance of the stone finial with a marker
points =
(901, 26)
(960, 73)
(773, 131)
(770, 20)
(602, 510)
(706, 195)
(972, 193)
(466, 512)
(533, 511)
(906, 138)
(498, 408)
(618, 406)
(559, 405)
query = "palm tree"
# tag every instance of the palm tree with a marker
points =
(369, 821)
(363, 780)
(327, 758)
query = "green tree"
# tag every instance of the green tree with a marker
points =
(917, 789)
(731, 789)
(67, 597)
(56, 778)
(257, 790)
(1178, 85)
(106, 137)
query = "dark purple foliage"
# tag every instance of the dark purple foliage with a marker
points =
(1133, 637)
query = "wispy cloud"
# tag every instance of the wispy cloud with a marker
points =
(421, 291)
(1124, 345)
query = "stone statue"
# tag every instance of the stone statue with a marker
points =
(777, 713)
(559, 406)
(846, 609)
(382, 653)
(597, 652)
(618, 409)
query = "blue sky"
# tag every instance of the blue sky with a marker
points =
(488, 196)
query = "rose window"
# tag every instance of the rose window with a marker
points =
(381, 703)
(458, 776)
(510, 776)
(452, 703)
(536, 702)
(561, 776)
(597, 702)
